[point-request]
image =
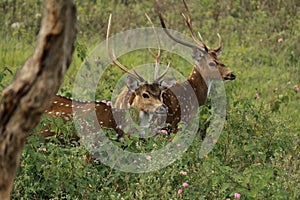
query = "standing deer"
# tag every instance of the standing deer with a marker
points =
(207, 67)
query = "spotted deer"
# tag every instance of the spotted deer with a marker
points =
(207, 67)
(145, 97)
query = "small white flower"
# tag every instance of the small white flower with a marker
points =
(15, 25)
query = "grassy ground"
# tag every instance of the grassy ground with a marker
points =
(257, 154)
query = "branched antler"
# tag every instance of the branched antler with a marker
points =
(163, 24)
(200, 45)
(158, 56)
(112, 55)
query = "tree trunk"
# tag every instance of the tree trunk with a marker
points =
(24, 101)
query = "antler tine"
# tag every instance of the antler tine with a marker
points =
(166, 30)
(189, 25)
(200, 36)
(220, 43)
(156, 57)
(156, 63)
(151, 53)
(188, 22)
(163, 74)
(186, 6)
(112, 55)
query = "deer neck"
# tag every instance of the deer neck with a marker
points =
(199, 85)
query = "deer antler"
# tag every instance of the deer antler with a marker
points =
(112, 55)
(166, 30)
(158, 56)
(188, 22)
(220, 43)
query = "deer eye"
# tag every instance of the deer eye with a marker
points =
(145, 95)
(212, 64)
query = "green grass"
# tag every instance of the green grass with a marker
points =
(258, 150)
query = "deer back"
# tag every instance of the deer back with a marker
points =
(66, 108)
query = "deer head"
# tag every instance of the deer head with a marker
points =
(146, 98)
(207, 61)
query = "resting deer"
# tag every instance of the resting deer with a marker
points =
(65, 107)
(145, 97)
(207, 67)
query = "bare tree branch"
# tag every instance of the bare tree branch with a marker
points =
(35, 84)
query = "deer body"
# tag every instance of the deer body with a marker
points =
(193, 91)
(207, 68)
(189, 94)
(66, 108)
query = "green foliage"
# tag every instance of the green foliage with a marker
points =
(257, 154)
(3, 73)
(44, 164)
(81, 50)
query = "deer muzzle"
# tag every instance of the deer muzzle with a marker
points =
(230, 76)
(161, 110)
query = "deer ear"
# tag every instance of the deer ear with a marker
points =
(131, 98)
(132, 83)
(167, 83)
(197, 54)
(218, 52)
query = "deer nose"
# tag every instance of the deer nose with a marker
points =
(233, 76)
(161, 110)
(230, 76)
